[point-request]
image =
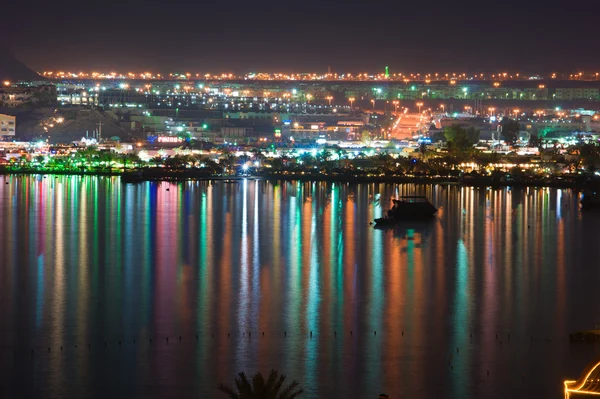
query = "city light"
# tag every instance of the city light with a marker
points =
(426, 78)
(359, 196)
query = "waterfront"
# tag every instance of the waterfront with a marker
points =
(90, 265)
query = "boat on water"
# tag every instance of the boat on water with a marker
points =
(585, 336)
(590, 200)
(408, 207)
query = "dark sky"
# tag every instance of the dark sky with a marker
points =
(350, 36)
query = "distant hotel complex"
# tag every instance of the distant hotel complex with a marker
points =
(305, 106)
(544, 120)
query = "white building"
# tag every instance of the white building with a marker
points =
(8, 125)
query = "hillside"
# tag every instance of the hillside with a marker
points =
(13, 70)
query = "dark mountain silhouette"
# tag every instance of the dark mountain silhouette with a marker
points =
(13, 70)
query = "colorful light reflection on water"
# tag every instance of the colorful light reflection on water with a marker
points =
(100, 269)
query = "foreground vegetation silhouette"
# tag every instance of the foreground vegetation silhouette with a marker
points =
(259, 388)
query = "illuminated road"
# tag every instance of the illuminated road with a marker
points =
(408, 124)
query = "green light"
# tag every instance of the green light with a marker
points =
(205, 126)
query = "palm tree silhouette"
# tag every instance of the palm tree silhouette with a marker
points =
(258, 388)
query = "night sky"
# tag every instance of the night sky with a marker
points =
(350, 36)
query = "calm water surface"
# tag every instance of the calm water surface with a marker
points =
(477, 303)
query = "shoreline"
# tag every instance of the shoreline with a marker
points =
(576, 182)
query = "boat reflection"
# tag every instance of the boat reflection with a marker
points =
(410, 229)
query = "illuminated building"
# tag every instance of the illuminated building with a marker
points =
(590, 93)
(236, 132)
(8, 125)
